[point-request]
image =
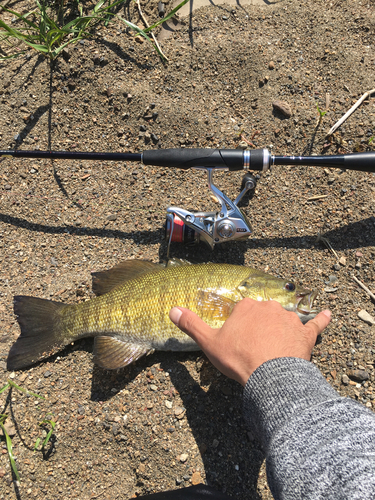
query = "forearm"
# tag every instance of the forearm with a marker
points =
(317, 444)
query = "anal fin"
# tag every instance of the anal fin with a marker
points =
(111, 353)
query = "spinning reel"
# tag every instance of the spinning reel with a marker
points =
(229, 223)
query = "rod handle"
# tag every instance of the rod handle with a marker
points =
(231, 159)
(364, 162)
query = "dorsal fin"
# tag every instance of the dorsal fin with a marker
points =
(178, 262)
(105, 281)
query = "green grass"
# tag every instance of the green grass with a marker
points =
(9, 446)
(321, 113)
(45, 422)
(45, 30)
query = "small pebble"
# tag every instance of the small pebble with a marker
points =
(330, 290)
(331, 280)
(366, 317)
(227, 391)
(9, 428)
(345, 379)
(342, 261)
(196, 478)
(283, 107)
(358, 375)
(184, 457)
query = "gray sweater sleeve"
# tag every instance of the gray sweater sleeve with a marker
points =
(317, 444)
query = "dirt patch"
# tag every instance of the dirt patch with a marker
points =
(170, 419)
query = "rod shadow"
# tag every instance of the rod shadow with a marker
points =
(352, 235)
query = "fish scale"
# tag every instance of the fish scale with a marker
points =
(130, 317)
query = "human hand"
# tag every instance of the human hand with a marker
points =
(254, 333)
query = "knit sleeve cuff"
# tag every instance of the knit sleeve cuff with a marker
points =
(277, 390)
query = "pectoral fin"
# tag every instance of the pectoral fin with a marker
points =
(111, 353)
(214, 305)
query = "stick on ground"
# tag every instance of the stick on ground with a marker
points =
(351, 110)
(147, 26)
(364, 288)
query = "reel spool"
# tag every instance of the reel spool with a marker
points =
(176, 231)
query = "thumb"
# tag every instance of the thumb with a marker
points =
(191, 324)
(319, 323)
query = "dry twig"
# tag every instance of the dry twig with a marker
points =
(147, 26)
(364, 288)
(247, 142)
(327, 244)
(351, 110)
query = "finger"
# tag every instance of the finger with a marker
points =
(320, 322)
(191, 324)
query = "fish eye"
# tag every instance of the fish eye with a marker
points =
(290, 287)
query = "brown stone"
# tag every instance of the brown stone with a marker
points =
(196, 478)
(358, 375)
(283, 107)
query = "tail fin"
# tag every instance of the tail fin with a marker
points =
(41, 335)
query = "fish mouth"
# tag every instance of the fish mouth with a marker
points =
(305, 300)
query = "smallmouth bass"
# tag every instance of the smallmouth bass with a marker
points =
(130, 315)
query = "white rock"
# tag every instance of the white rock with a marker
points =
(366, 317)
(342, 261)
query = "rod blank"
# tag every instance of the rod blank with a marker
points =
(73, 155)
(364, 162)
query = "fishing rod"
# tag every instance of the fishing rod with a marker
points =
(230, 159)
(229, 223)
